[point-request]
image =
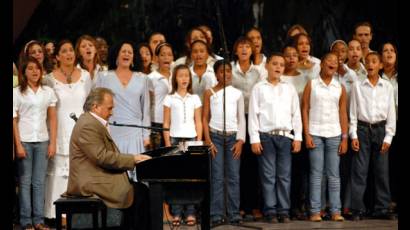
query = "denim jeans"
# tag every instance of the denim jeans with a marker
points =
(324, 160)
(275, 165)
(32, 172)
(176, 203)
(371, 141)
(224, 166)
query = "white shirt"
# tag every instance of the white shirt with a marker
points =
(208, 80)
(160, 86)
(210, 61)
(31, 110)
(97, 69)
(274, 107)
(245, 81)
(261, 66)
(324, 108)
(373, 104)
(182, 114)
(313, 72)
(347, 80)
(394, 83)
(234, 113)
(298, 81)
(361, 72)
(102, 121)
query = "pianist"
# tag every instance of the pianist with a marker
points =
(98, 169)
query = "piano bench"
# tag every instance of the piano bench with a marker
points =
(72, 205)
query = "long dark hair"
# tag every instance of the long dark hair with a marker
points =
(22, 73)
(79, 58)
(25, 53)
(115, 51)
(174, 78)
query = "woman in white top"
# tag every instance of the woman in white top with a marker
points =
(307, 64)
(72, 86)
(194, 34)
(182, 115)
(87, 56)
(390, 73)
(159, 87)
(244, 76)
(291, 73)
(203, 76)
(33, 106)
(354, 55)
(213, 122)
(259, 59)
(325, 126)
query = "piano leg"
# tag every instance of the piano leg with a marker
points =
(205, 212)
(156, 198)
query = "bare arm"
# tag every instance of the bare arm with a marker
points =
(20, 151)
(343, 120)
(166, 125)
(206, 116)
(305, 114)
(52, 121)
(198, 123)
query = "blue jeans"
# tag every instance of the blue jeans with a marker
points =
(275, 165)
(218, 174)
(176, 203)
(324, 160)
(371, 141)
(32, 172)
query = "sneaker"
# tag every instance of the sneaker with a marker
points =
(337, 217)
(315, 217)
(284, 219)
(357, 216)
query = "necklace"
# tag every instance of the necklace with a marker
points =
(67, 76)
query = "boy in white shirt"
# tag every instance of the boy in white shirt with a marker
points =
(274, 112)
(372, 127)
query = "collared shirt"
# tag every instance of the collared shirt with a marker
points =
(324, 108)
(160, 86)
(361, 72)
(210, 61)
(234, 113)
(394, 83)
(31, 110)
(245, 81)
(261, 66)
(102, 121)
(274, 107)
(97, 69)
(182, 114)
(208, 80)
(298, 81)
(347, 80)
(373, 104)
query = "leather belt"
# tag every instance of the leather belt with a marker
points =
(276, 132)
(227, 133)
(374, 125)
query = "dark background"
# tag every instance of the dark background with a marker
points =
(325, 20)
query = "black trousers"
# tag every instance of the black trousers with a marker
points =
(370, 140)
(137, 217)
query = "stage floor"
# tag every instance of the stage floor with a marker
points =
(300, 225)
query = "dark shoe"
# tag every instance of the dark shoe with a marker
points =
(357, 216)
(384, 216)
(217, 221)
(248, 218)
(28, 227)
(41, 226)
(271, 219)
(284, 219)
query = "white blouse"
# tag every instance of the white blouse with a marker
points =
(182, 114)
(31, 110)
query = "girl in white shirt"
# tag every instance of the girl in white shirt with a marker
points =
(307, 63)
(33, 106)
(325, 126)
(213, 121)
(203, 76)
(182, 115)
(87, 57)
(354, 55)
(160, 87)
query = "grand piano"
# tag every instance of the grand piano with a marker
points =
(171, 170)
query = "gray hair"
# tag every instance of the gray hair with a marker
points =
(96, 97)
